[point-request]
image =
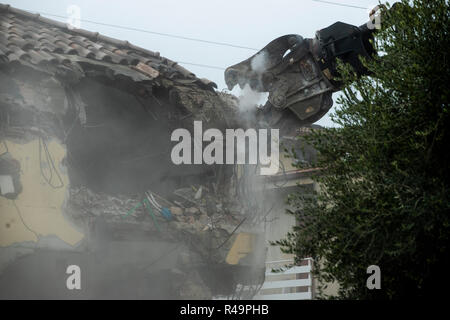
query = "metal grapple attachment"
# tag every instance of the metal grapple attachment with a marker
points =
(287, 70)
(299, 73)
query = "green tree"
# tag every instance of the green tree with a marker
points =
(385, 190)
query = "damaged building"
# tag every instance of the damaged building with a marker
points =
(86, 176)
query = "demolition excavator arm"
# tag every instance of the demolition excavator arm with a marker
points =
(299, 74)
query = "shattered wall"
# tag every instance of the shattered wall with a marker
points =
(86, 149)
(86, 176)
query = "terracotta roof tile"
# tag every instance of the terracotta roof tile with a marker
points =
(25, 36)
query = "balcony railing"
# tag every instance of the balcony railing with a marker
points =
(294, 283)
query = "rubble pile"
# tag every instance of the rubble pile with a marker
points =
(193, 209)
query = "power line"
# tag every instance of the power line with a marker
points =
(161, 34)
(220, 68)
(187, 38)
(202, 65)
(340, 4)
(154, 32)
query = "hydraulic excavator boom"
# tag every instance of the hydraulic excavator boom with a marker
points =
(299, 74)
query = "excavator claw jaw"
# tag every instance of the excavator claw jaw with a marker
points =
(288, 71)
(254, 70)
(300, 74)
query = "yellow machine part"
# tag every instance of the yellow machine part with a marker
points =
(242, 245)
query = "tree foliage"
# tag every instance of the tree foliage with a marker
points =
(385, 191)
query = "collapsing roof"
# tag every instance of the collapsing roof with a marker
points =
(87, 79)
(44, 43)
(51, 47)
(104, 109)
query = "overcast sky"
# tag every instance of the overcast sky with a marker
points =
(246, 23)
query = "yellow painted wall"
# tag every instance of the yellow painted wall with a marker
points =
(39, 204)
